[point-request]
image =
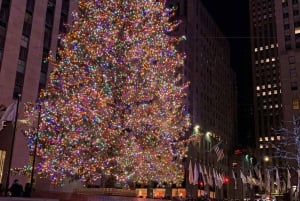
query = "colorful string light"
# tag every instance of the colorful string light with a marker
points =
(114, 102)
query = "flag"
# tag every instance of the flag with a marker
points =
(260, 179)
(196, 175)
(203, 175)
(8, 115)
(219, 151)
(278, 180)
(191, 176)
(298, 187)
(288, 186)
(268, 185)
(250, 180)
(244, 179)
(234, 177)
(211, 182)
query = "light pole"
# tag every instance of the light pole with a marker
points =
(35, 147)
(12, 146)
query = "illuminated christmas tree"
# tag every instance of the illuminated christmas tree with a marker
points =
(114, 102)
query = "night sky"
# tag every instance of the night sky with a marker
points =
(232, 17)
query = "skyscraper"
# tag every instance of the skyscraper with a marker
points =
(275, 43)
(212, 99)
(28, 31)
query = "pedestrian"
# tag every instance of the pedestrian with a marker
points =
(16, 189)
(27, 190)
(1, 189)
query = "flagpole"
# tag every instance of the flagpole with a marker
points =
(12, 146)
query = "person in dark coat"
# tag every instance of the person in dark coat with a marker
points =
(27, 190)
(16, 189)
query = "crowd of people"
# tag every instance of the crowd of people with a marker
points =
(17, 190)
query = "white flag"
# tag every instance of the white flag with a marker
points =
(298, 187)
(234, 177)
(244, 179)
(260, 179)
(278, 180)
(288, 185)
(268, 185)
(196, 174)
(191, 176)
(9, 114)
(203, 175)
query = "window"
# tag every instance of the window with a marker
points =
(21, 66)
(293, 74)
(296, 104)
(23, 53)
(19, 82)
(24, 41)
(294, 86)
(30, 6)
(291, 59)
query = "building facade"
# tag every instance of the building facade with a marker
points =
(275, 43)
(212, 99)
(29, 30)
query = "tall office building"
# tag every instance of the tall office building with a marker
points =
(30, 30)
(212, 99)
(275, 43)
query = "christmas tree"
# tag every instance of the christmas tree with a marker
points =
(114, 101)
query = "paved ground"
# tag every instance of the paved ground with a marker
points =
(80, 198)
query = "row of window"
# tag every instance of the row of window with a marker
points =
(269, 86)
(269, 93)
(261, 48)
(267, 60)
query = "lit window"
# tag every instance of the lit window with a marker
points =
(272, 46)
(267, 60)
(296, 104)
(264, 93)
(261, 48)
(267, 146)
(297, 30)
(263, 86)
(278, 137)
(260, 139)
(266, 139)
(275, 91)
(261, 146)
(2, 159)
(272, 138)
(262, 61)
(269, 86)
(256, 62)
(269, 92)
(271, 106)
(265, 107)
(273, 59)
(267, 47)
(276, 106)
(255, 49)
(257, 88)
